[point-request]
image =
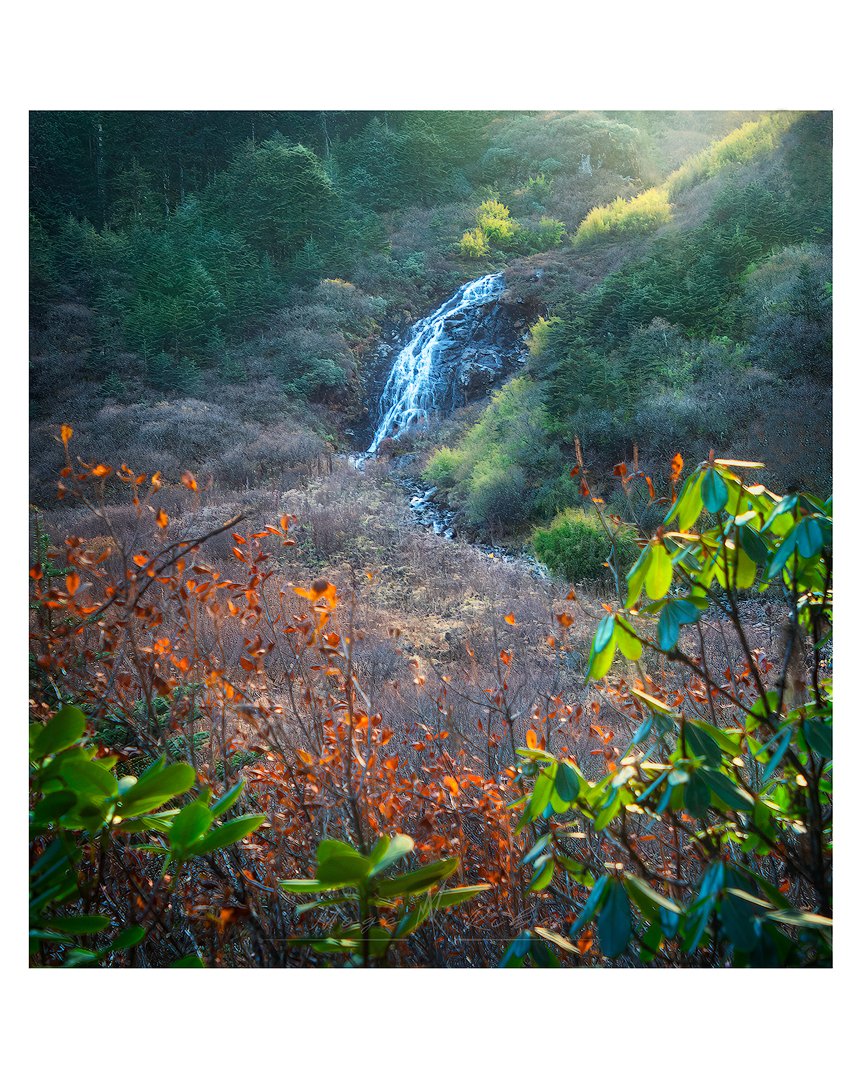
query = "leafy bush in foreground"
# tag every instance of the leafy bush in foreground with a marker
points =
(81, 808)
(719, 808)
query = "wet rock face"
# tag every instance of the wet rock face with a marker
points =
(483, 346)
(454, 356)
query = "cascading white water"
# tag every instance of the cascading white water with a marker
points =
(411, 391)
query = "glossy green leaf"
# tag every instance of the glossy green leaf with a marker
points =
(730, 796)
(128, 938)
(567, 782)
(229, 833)
(614, 924)
(636, 576)
(224, 803)
(79, 924)
(714, 491)
(189, 825)
(808, 537)
(659, 575)
(600, 662)
(89, 778)
(689, 504)
(417, 880)
(157, 788)
(63, 729)
(627, 640)
(587, 913)
(397, 847)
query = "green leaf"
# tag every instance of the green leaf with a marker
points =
(128, 938)
(627, 640)
(516, 951)
(751, 542)
(728, 793)
(808, 537)
(605, 630)
(600, 662)
(648, 900)
(597, 894)
(541, 794)
(536, 849)
(744, 568)
(728, 743)
(819, 736)
(781, 556)
(673, 615)
(737, 919)
(659, 575)
(567, 782)
(542, 875)
(63, 729)
(418, 880)
(714, 491)
(189, 825)
(229, 833)
(79, 924)
(89, 778)
(224, 803)
(699, 744)
(697, 796)
(636, 576)
(385, 855)
(614, 920)
(689, 504)
(607, 814)
(53, 806)
(191, 961)
(306, 885)
(154, 789)
(447, 898)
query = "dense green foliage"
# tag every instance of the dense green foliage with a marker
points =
(726, 314)
(184, 232)
(750, 787)
(577, 546)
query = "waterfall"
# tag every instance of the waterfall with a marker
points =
(412, 390)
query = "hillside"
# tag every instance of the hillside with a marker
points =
(518, 662)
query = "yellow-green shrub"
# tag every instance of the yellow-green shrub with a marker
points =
(474, 244)
(745, 143)
(644, 213)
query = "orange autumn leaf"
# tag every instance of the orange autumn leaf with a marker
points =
(676, 467)
(565, 619)
(650, 484)
(73, 581)
(189, 481)
(620, 469)
(161, 519)
(510, 618)
(101, 470)
(65, 434)
(451, 783)
(140, 560)
(586, 940)
(531, 739)
(584, 489)
(506, 657)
